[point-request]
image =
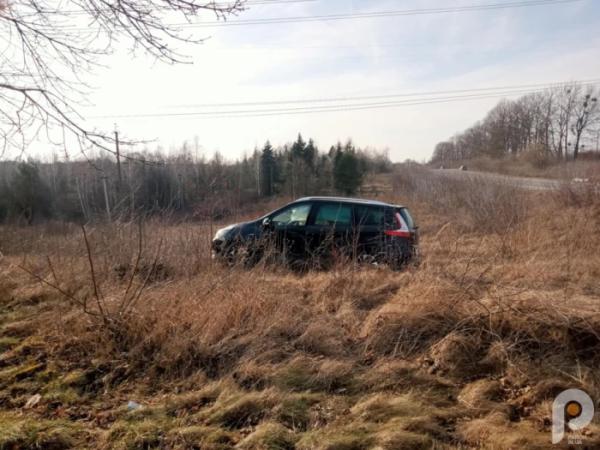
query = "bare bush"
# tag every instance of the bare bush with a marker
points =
(580, 193)
(537, 155)
(474, 201)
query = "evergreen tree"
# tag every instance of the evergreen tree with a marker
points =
(310, 153)
(30, 195)
(298, 149)
(158, 190)
(267, 170)
(347, 173)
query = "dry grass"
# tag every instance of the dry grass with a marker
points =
(464, 351)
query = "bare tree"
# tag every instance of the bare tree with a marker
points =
(47, 47)
(585, 112)
(498, 123)
(566, 97)
(540, 122)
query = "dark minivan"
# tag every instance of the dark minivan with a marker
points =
(315, 230)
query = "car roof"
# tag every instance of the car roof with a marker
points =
(360, 201)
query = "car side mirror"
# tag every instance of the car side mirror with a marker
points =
(267, 223)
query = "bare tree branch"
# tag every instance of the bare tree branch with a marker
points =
(47, 48)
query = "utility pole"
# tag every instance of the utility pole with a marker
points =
(104, 177)
(257, 172)
(293, 177)
(81, 201)
(120, 180)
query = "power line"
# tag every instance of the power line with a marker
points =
(383, 96)
(376, 14)
(354, 16)
(77, 12)
(357, 46)
(272, 2)
(473, 94)
(373, 106)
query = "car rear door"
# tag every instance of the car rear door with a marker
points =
(369, 226)
(329, 229)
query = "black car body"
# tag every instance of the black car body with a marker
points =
(317, 229)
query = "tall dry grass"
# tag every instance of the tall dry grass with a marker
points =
(507, 290)
(487, 250)
(474, 203)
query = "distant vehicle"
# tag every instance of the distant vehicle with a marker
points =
(314, 230)
(463, 168)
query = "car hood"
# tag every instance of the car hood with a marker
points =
(242, 229)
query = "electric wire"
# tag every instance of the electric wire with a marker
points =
(472, 95)
(355, 16)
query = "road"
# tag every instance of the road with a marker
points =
(533, 184)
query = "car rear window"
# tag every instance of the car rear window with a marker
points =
(334, 214)
(410, 223)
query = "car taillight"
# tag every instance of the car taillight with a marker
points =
(402, 230)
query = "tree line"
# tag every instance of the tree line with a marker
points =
(183, 183)
(558, 123)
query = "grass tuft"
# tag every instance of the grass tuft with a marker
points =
(241, 409)
(27, 433)
(269, 436)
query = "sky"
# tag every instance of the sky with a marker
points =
(345, 58)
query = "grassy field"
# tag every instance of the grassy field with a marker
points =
(466, 350)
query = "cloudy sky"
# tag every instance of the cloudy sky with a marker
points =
(339, 59)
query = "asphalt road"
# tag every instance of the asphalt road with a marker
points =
(533, 184)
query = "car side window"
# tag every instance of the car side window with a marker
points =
(295, 215)
(369, 215)
(331, 214)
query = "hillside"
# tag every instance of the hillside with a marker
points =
(147, 343)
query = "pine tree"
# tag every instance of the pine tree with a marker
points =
(347, 173)
(267, 170)
(298, 149)
(310, 153)
(30, 195)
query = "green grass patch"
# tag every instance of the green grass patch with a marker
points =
(26, 433)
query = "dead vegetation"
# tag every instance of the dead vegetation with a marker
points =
(467, 350)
